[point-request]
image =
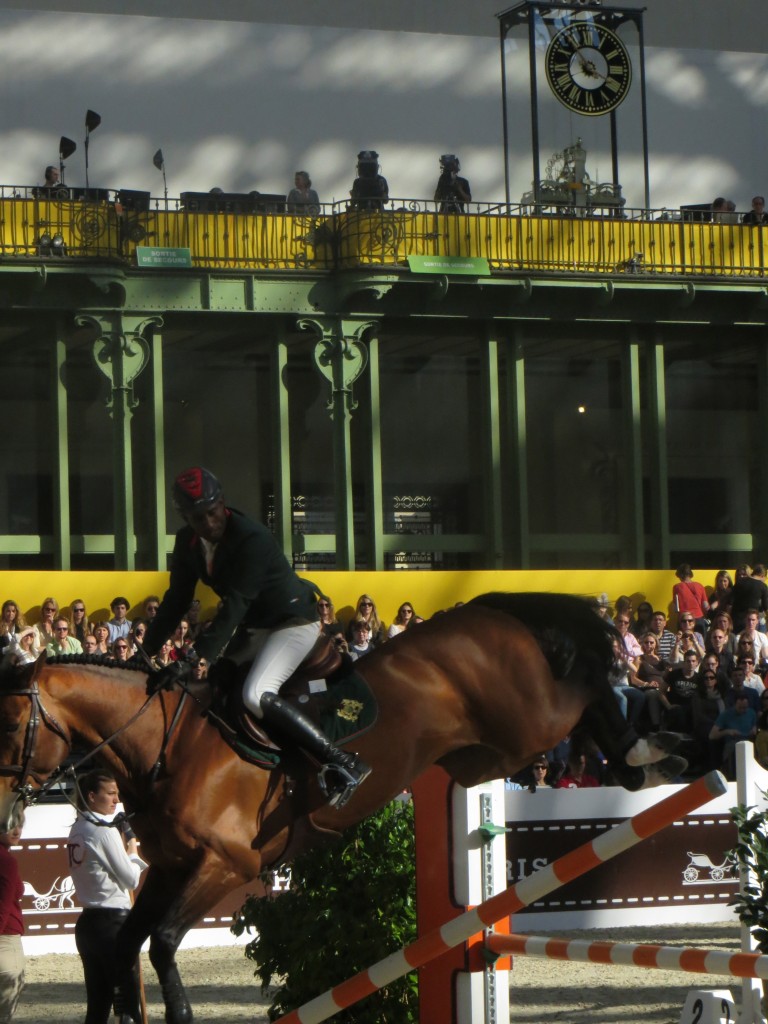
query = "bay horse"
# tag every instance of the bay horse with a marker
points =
(481, 690)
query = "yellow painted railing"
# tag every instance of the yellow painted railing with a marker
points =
(50, 229)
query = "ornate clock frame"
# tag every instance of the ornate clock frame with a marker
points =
(532, 14)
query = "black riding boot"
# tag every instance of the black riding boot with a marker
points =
(341, 773)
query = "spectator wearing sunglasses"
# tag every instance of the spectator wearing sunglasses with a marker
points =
(79, 626)
(365, 610)
(120, 649)
(751, 639)
(540, 770)
(686, 639)
(63, 643)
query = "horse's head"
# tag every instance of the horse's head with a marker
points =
(32, 743)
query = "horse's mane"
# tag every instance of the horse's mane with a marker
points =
(10, 672)
(565, 627)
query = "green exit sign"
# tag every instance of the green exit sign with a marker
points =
(157, 256)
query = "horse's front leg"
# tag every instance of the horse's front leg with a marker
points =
(192, 896)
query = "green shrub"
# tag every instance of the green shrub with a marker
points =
(351, 903)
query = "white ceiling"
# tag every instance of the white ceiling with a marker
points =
(694, 24)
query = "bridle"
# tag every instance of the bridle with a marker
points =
(38, 715)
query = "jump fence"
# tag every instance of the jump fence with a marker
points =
(604, 847)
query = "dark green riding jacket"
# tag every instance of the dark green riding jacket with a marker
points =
(250, 574)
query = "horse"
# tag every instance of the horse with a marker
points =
(480, 690)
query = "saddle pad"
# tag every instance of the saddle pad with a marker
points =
(344, 711)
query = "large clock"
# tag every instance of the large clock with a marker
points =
(588, 68)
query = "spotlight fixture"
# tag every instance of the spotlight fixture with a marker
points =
(92, 122)
(44, 245)
(57, 245)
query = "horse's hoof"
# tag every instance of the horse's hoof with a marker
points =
(666, 741)
(669, 769)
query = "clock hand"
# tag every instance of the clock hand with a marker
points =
(590, 68)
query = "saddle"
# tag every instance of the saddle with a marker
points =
(325, 687)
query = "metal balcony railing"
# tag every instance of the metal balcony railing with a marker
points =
(258, 233)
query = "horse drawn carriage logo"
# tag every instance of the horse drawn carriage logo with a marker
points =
(59, 897)
(701, 871)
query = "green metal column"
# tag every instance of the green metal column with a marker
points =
(491, 443)
(760, 526)
(341, 357)
(281, 457)
(633, 546)
(158, 543)
(61, 523)
(375, 513)
(518, 526)
(121, 352)
(656, 441)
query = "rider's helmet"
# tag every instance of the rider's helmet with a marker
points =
(195, 490)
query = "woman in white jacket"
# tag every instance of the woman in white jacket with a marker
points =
(105, 867)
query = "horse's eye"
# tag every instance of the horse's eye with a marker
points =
(10, 727)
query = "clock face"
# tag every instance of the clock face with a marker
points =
(588, 68)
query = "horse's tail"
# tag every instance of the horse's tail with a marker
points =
(570, 634)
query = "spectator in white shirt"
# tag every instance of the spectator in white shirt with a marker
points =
(119, 625)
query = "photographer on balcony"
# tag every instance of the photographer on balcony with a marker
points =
(370, 189)
(452, 191)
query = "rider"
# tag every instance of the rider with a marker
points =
(271, 611)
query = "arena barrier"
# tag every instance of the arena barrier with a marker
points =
(625, 954)
(525, 892)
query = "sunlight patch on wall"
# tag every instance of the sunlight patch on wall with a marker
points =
(669, 72)
(748, 71)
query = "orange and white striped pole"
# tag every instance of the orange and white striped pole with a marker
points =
(618, 839)
(625, 954)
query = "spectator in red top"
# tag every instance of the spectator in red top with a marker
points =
(11, 925)
(575, 776)
(690, 596)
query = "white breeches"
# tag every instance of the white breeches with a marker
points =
(282, 653)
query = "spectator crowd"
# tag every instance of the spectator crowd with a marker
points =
(696, 668)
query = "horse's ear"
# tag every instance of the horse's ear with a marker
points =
(38, 666)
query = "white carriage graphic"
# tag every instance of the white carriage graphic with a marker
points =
(59, 896)
(701, 863)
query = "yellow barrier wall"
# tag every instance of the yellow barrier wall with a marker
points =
(427, 591)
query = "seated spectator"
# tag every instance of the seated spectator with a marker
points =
(180, 645)
(624, 607)
(631, 700)
(682, 683)
(761, 738)
(366, 610)
(540, 770)
(749, 594)
(650, 677)
(715, 644)
(751, 679)
(101, 632)
(44, 634)
(369, 190)
(752, 639)
(643, 619)
(151, 604)
(603, 606)
(120, 649)
(733, 725)
(330, 625)
(575, 776)
(64, 643)
(302, 199)
(79, 626)
(686, 639)
(665, 637)
(757, 214)
(724, 622)
(136, 635)
(90, 644)
(402, 620)
(361, 639)
(200, 670)
(163, 656)
(737, 690)
(23, 649)
(707, 703)
(119, 625)
(722, 594)
(12, 621)
(689, 597)
(711, 663)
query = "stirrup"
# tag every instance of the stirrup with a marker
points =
(340, 790)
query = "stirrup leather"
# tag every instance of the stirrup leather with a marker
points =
(343, 783)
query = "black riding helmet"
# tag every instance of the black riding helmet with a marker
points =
(195, 490)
